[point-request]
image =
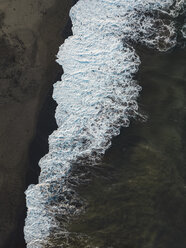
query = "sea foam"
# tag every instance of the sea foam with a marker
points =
(96, 96)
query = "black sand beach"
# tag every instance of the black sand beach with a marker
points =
(136, 196)
(30, 35)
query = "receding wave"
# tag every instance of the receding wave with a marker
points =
(96, 96)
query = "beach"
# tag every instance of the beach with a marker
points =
(113, 172)
(30, 35)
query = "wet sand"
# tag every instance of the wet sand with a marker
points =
(30, 34)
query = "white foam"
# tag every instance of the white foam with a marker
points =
(183, 30)
(96, 96)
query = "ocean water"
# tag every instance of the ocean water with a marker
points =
(96, 97)
(136, 196)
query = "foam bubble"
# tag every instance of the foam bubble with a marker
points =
(96, 96)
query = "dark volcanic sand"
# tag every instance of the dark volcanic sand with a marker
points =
(30, 35)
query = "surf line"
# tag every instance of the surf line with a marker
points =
(97, 95)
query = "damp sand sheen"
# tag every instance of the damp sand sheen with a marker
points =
(96, 97)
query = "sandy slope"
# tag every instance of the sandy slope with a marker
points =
(30, 34)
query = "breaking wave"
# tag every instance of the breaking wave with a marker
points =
(96, 96)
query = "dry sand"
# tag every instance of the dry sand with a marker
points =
(30, 35)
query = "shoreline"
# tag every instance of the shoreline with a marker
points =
(30, 38)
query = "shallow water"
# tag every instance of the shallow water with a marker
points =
(95, 99)
(137, 196)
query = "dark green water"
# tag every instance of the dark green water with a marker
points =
(137, 196)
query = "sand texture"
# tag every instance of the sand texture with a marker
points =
(30, 34)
